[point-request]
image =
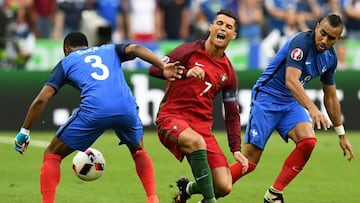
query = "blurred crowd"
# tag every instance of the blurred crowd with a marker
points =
(268, 22)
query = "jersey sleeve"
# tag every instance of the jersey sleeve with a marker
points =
(120, 51)
(57, 77)
(232, 115)
(298, 49)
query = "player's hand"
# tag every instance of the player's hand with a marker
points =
(22, 141)
(196, 72)
(238, 156)
(346, 146)
(319, 120)
(173, 71)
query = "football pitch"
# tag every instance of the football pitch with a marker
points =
(328, 177)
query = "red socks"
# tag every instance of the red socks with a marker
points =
(292, 166)
(49, 177)
(295, 162)
(145, 170)
(236, 170)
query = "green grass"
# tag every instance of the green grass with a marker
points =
(328, 177)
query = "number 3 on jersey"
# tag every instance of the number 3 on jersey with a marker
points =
(96, 62)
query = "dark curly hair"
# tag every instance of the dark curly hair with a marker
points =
(76, 39)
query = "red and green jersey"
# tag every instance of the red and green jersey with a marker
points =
(192, 99)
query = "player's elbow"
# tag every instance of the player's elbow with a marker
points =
(132, 49)
(40, 100)
(43, 98)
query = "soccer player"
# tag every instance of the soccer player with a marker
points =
(106, 103)
(184, 121)
(279, 101)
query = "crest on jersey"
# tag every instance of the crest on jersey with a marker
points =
(223, 78)
(297, 54)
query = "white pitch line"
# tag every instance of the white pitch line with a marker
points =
(33, 143)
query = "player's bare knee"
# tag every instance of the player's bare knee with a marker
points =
(192, 144)
(223, 190)
(199, 143)
(135, 148)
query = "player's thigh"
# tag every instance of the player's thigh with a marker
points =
(169, 129)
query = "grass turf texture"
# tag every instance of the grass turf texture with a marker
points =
(328, 177)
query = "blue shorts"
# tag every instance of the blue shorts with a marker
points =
(80, 132)
(268, 114)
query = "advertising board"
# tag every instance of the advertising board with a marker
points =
(18, 89)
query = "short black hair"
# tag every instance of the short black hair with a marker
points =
(76, 39)
(334, 20)
(230, 14)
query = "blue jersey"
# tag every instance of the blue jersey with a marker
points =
(298, 52)
(97, 73)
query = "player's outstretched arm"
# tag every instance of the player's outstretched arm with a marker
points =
(22, 139)
(170, 71)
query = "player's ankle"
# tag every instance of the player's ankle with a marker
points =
(275, 190)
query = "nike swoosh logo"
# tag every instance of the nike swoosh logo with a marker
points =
(199, 64)
(295, 169)
(323, 69)
(201, 177)
(307, 62)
